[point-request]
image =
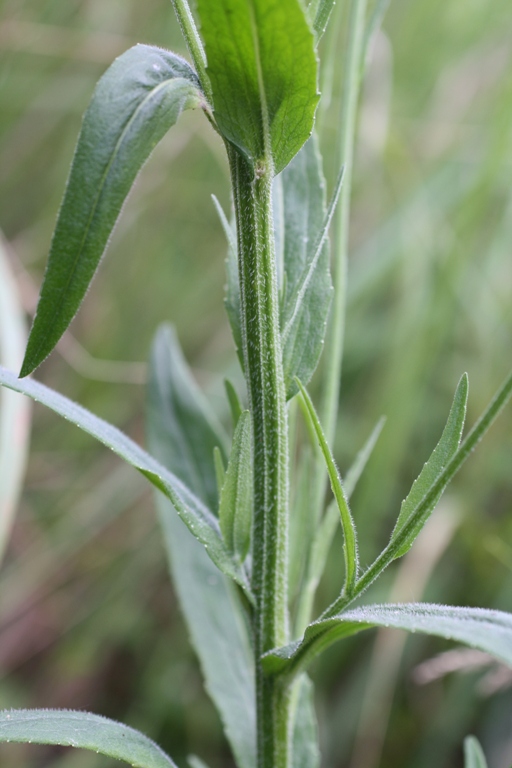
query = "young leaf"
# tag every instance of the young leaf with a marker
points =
(489, 631)
(307, 286)
(473, 754)
(84, 730)
(198, 518)
(135, 103)
(187, 431)
(234, 401)
(319, 12)
(235, 509)
(263, 71)
(14, 409)
(211, 609)
(305, 750)
(441, 455)
(349, 531)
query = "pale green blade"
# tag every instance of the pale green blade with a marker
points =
(232, 298)
(487, 630)
(14, 409)
(83, 730)
(473, 754)
(135, 103)
(236, 500)
(305, 749)
(441, 455)
(203, 524)
(319, 12)
(212, 611)
(263, 72)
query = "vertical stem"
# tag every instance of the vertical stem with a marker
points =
(267, 402)
(194, 43)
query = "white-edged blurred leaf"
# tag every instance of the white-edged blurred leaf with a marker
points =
(473, 753)
(14, 409)
(83, 730)
(236, 499)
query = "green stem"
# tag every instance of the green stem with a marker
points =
(265, 383)
(194, 44)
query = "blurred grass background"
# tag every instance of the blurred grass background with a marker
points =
(87, 617)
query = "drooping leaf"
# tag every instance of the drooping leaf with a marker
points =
(473, 754)
(135, 103)
(198, 518)
(235, 509)
(263, 71)
(441, 455)
(349, 531)
(213, 614)
(307, 279)
(84, 730)
(14, 409)
(305, 749)
(188, 427)
(486, 630)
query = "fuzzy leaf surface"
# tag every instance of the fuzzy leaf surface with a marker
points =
(235, 509)
(194, 513)
(473, 754)
(263, 72)
(487, 630)
(209, 604)
(133, 106)
(82, 729)
(307, 278)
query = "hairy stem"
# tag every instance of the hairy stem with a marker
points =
(265, 383)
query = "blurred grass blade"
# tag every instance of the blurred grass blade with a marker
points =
(198, 518)
(319, 12)
(14, 409)
(307, 284)
(263, 72)
(488, 631)
(235, 509)
(473, 754)
(305, 749)
(134, 104)
(441, 455)
(375, 21)
(232, 298)
(83, 730)
(213, 614)
(187, 427)
(361, 460)
(349, 531)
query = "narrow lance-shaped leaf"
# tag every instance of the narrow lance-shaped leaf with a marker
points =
(232, 298)
(84, 730)
(473, 754)
(349, 531)
(210, 606)
(235, 509)
(194, 513)
(441, 455)
(305, 749)
(135, 103)
(319, 12)
(486, 630)
(263, 72)
(234, 401)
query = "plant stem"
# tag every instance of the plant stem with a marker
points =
(252, 190)
(194, 43)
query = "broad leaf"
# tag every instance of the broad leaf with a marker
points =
(84, 730)
(203, 524)
(135, 103)
(307, 281)
(305, 749)
(441, 455)
(213, 614)
(235, 509)
(486, 630)
(263, 71)
(186, 425)
(14, 409)
(473, 754)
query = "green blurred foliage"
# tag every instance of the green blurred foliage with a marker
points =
(88, 619)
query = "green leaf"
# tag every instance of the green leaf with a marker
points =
(234, 401)
(135, 103)
(235, 509)
(14, 410)
(375, 21)
(305, 749)
(361, 460)
(319, 12)
(349, 531)
(187, 431)
(473, 754)
(84, 730)
(212, 611)
(232, 298)
(307, 282)
(198, 518)
(441, 455)
(486, 630)
(263, 72)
